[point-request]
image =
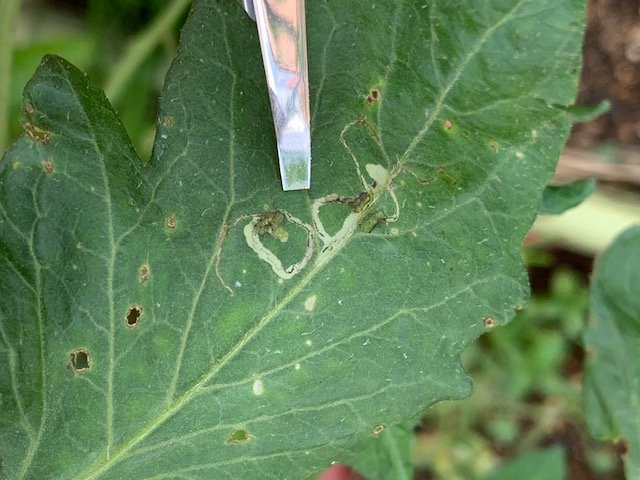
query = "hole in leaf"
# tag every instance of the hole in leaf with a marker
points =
(144, 273)
(238, 436)
(133, 316)
(79, 361)
(373, 97)
(48, 165)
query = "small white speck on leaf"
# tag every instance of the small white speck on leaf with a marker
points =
(297, 366)
(519, 155)
(308, 343)
(310, 303)
(238, 284)
(258, 387)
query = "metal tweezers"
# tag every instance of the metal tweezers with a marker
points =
(282, 33)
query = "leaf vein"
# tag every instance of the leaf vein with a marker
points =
(442, 97)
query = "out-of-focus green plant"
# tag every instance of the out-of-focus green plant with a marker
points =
(524, 388)
(125, 45)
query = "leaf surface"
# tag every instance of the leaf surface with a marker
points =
(389, 454)
(185, 318)
(558, 199)
(612, 379)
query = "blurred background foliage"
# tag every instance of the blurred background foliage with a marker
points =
(527, 375)
(126, 46)
(527, 395)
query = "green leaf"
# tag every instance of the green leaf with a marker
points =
(185, 318)
(548, 464)
(586, 113)
(389, 455)
(559, 199)
(78, 49)
(612, 377)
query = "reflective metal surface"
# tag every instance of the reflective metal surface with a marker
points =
(281, 29)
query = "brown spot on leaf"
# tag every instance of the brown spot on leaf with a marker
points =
(448, 125)
(167, 121)
(489, 322)
(494, 146)
(144, 273)
(270, 223)
(28, 109)
(172, 221)
(48, 165)
(36, 134)
(133, 316)
(79, 361)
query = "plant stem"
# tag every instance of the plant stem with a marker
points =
(141, 48)
(8, 14)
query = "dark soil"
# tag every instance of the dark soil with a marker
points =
(611, 71)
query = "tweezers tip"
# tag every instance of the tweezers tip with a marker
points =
(250, 9)
(295, 169)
